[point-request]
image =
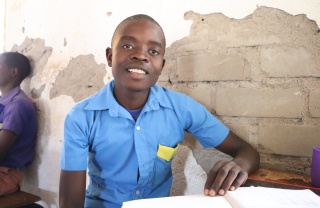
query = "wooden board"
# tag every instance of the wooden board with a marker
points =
(18, 199)
(281, 176)
(279, 179)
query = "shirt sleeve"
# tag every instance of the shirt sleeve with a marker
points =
(17, 115)
(199, 122)
(74, 153)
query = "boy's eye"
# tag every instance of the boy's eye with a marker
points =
(154, 52)
(127, 46)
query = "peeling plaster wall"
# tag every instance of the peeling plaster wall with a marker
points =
(264, 55)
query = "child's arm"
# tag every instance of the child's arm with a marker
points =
(229, 175)
(72, 189)
(6, 140)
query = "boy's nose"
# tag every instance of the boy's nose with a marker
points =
(140, 55)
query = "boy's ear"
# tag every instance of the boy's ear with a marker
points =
(109, 56)
(14, 72)
(163, 62)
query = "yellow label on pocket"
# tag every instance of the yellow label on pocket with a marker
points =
(0, 125)
(166, 153)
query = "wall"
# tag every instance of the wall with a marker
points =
(253, 64)
(2, 15)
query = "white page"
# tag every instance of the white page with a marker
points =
(191, 201)
(261, 197)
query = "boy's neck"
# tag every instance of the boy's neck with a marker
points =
(131, 101)
(7, 88)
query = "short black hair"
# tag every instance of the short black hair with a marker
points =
(136, 17)
(15, 59)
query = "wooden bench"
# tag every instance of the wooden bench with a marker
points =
(280, 179)
(19, 199)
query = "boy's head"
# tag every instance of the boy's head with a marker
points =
(16, 61)
(136, 54)
(135, 17)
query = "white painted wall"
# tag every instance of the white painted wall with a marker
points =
(2, 14)
(87, 26)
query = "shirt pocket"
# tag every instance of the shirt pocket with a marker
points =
(162, 164)
(166, 153)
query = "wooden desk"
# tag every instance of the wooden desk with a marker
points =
(18, 199)
(280, 179)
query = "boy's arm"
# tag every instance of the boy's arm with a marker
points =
(6, 140)
(72, 189)
(229, 175)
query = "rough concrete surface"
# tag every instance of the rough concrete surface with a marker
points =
(189, 177)
(274, 82)
(39, 55)
(80, 79)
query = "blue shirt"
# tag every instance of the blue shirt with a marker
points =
(18, 115)
(130, 160)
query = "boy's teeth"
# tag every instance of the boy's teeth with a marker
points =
(138, 71)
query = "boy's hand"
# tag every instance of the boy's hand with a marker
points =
(224, 176)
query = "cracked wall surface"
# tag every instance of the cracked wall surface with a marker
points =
(39, 55)
(80, 79)
(259, 74)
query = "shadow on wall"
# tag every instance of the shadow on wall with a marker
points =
(38, 54)
(188, 176)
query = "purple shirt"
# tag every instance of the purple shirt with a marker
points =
(18, 115)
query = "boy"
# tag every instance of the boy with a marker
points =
(127, 133)
(17, 122)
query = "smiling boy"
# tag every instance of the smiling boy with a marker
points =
(127, 133)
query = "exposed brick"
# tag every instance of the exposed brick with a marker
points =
(241, 131)
(286, 103)
(282, 62)
(203, 96)
(288, 140)
(212, 68)
(194, 46)
(314, 103)
(165, 73)
(255, 41)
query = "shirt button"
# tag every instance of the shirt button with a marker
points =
(138, 128)
(137, 192)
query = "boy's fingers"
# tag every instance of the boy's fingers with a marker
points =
(224, 176)
(211, 178)
(241, 179)
(216, 177)
(235, 179)
(229, 180)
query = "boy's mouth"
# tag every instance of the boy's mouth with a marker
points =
(137, 71)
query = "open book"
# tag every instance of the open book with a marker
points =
(243, 197)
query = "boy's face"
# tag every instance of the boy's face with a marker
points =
(136, 56)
